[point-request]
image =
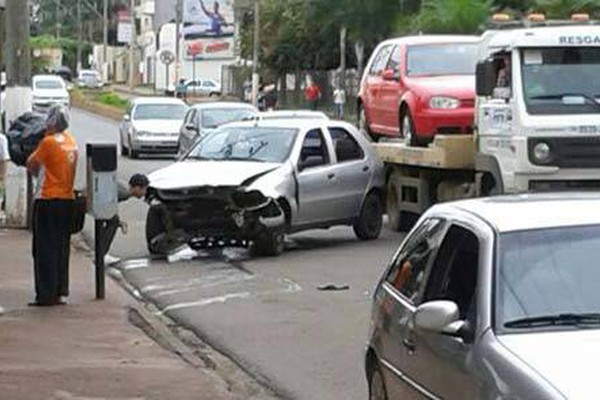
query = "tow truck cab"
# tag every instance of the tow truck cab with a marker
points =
(538, 108)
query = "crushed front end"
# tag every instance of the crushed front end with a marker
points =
(206, 217)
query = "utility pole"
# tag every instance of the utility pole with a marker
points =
(343, 32)
(132, 45)
(105, 41)
(178, 18)
(18, 100)
(256, 45)
(79, 36)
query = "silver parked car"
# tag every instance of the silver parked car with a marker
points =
(206, 117)
(151, 125)
(253, 182)
(491, 298)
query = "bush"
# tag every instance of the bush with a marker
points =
(112, 99)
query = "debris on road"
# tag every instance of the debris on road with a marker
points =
(332, 287)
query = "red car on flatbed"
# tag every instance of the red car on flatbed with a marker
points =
(418, 86)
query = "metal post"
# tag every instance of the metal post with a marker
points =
(132, 45)
(18, 100)
(99, 231)
(178, 18)
(105, 40)
(255, 76)
(167, 79)
(79, 36)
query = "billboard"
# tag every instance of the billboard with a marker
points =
(208, 29)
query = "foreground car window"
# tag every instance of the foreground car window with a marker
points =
(159, 111)
(547, 274)
(246, 144)
(442, 59)
(215, 117)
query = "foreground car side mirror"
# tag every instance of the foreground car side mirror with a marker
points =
(436, 316)
(390, 75)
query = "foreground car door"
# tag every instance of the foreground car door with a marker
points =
(390, 93)
(396, 301)
(316, 181)
(442, 365)
(352, 173)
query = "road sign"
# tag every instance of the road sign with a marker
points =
(167, 57)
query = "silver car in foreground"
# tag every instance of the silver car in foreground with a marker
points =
(492, 298)
(253, 182)
(151, 125)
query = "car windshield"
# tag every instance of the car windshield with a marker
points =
(561, 80)
(548, 277)
(49, 84)
(441, 59)
(218, 116)
(159, 111)
(246, 144)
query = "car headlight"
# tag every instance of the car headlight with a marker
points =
(542, 153)
(442, 102)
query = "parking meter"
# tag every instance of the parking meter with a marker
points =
(102, 202)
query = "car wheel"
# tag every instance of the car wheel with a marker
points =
(155, 228)
(363, 124)
(368, 224)
(408, 129)
(270, 243)
(377, 389)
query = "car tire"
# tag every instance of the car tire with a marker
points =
(270, 243)
(363, 123)
(407, 129)
(370, 221)
(155, 226)
(377, 390)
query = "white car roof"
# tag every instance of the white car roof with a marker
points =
(531, 211)
(294, 123)
(157, 100)
(293, 114)
(432, 39)
(47, 78)
(223, 104)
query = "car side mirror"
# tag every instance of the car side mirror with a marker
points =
(126, 118)
(485, 78)
(436, 316)
(310, 162)
(391, 75)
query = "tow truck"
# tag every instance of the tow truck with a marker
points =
(537, 119)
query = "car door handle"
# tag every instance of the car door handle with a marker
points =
(365, 168)
(330, 176)
(409, 344)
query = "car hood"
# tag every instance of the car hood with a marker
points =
(187, 174)
(158, 125)
(50, 93)
(566, 359)
(459, 86)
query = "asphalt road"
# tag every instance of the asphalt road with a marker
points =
(266, 313)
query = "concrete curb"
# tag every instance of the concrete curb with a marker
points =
(93, 107)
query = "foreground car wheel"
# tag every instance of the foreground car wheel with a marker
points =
(363, 124)
(368, 225)
(155, 230)
(269, 243)
(377, 386)
(408, 129)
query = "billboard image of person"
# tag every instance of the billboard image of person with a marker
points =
(208, 28)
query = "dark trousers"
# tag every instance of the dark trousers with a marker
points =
(51, 248)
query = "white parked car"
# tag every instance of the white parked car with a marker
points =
(47, 91)
(203, 87)
(89, 79)
(151, 125)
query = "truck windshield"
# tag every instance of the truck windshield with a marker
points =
(561, 80)
(441, 59)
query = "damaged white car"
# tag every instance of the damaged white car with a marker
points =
(250, 183)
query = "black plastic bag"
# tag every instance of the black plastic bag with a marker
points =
(24, 135)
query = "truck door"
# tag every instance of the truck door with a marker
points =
(390, 92)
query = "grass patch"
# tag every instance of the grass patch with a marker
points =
(111, 99)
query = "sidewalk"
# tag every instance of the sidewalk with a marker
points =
(87, 350)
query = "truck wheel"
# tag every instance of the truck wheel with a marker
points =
(155, 228)
(363, 124)
(269, 243)
(368, 224)
(408, 129)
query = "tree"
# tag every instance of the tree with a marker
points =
(453, 16)
(564, 8)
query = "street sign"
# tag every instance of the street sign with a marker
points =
(167, 57)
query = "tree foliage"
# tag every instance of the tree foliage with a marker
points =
(453, 16)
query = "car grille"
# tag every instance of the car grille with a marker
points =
(572, 152)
